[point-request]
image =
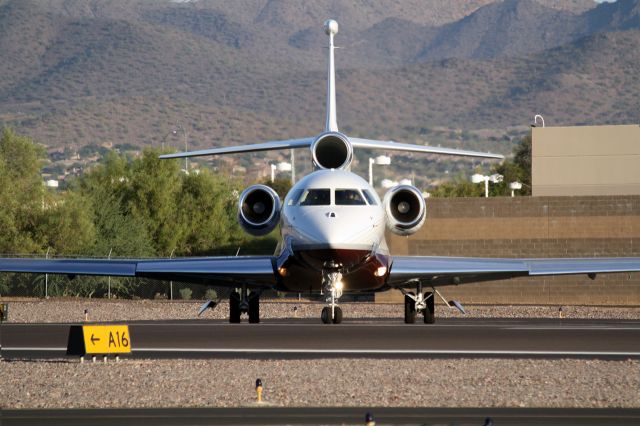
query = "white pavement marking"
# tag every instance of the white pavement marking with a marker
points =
(385, 351)
(571, 327)
(351, 351)
(32, 349)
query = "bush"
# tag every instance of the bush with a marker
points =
(211, 294)
(185, 294)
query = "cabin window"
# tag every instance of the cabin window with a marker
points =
(349, 197)
(316, 197)
(370, 198)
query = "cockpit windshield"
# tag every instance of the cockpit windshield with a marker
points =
(316, 197)
(349, 197)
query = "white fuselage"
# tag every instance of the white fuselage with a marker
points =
(332, 219)
(333, 223)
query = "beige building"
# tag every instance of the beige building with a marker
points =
(587, 160)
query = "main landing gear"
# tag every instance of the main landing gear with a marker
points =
(244, 302)
(418, 302)
(332, 285)
(414, 304)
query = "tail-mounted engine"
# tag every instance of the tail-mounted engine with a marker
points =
(405, 209)
(332, 150)
(259, 210)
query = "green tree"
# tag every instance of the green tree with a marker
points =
(207, 213)
(107, 188)
(518, 169)
(155, 186)
(459, 187)
(21, 194)
(280, 185)
(67, 224)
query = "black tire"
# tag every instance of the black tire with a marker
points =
(234, 307)
(409, 310)
(254, 308)
(337, 318)
(325, 316)
(430, 312)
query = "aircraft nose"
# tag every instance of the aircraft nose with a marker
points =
(333, 227)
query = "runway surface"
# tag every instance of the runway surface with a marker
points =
(326, 416)
(305, 338)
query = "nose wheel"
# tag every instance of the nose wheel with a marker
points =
(332, 284)
(328, 318)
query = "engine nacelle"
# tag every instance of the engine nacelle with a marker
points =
(259, 210)
(332, 151)
(405, 209)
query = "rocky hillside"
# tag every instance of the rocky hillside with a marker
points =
(89, 71)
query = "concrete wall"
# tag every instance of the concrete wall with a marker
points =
(587, 160)
(532, 227)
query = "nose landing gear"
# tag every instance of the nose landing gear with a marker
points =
(332, 284)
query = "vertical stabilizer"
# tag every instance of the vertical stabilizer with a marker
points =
(331, 29)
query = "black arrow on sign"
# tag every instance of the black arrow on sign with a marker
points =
(94, 339)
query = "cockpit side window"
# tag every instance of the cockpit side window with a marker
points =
(370, 198)
(295, 197)
(316, 197)
(349, 197)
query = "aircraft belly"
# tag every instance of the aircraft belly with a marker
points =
(303, 269)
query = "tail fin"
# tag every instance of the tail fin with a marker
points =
(331, 125)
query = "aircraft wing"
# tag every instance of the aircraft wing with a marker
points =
(439, 271)
(255, 271)
(264, 146)
(395, 146)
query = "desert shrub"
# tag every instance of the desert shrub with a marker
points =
(185, 294)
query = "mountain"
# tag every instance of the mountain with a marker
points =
(89, 71)
(502, 28)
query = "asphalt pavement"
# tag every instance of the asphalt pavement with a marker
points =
(304, 338)
(325, 416)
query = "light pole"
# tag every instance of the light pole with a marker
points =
(171, 282)
(535, 120)
(164, 138)
(109, 286)
(282, 166)
(514, 187)
(46, 277)
(293, 167)
(495, 178)
(186, 146)
(381, 160)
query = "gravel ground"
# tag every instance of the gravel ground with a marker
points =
(334, 382)
(72, 310)
(325, 382)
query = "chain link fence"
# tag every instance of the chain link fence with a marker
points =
(56, 285)
(49, 285)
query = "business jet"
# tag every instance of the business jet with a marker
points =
(332, 225)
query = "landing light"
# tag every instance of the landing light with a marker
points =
(283, 271)
(381, 271)
(339, 285)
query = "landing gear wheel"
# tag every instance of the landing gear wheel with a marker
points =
(234, 307)
(429, 312)
(409, 309)
(326, 315)
(337, 315)
(254, 308)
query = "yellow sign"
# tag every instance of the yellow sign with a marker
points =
(106, 339)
